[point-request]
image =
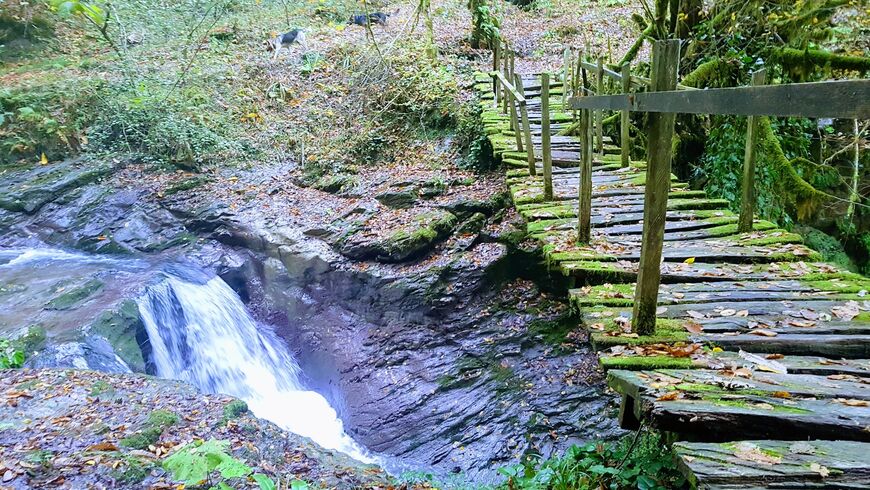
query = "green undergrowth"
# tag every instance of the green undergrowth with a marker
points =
(641, 460)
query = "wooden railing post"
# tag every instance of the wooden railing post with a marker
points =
(584, 209)
(527, 127)
(624, 120)
(663, 74)
(599, 114)
(496, 62)
(566, 57)
(546, 156)
(512, 61)
(515, 123)
(747, 199)
(505, 72)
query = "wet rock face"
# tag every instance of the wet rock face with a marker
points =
(445, 369)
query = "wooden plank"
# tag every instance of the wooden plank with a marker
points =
(747, 200)
(794, 385)
(845, 346)
(805, 364)
(698, 271)
(666, 56)
(717, 416)
(847, 99)
(790, 465)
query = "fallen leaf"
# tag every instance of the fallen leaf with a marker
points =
(742, 313)
(774, 356)
(670, 396)
(727, 312)
(851, 402)
(764, 333)
(690, 260)
(693, 327)
(748, 451)
(43, 160)
(695, 314)
(781, 394)
(821, 470)
(103, 446)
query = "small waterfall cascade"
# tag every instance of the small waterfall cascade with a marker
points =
(200, 332)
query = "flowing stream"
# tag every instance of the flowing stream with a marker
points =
(201, 332)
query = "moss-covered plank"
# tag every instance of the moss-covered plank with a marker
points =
(718, 415)
(774, 464)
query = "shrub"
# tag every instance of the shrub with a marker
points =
(642, 461)
(10, 355)
(44, 118)
(475, 148)
(158, 129)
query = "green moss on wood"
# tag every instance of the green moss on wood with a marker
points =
(644, 363)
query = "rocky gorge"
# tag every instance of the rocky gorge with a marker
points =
(432, 338)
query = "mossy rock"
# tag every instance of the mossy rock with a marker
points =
(70, 299)
(123, 329)
(400, 199)
(334, 183)
(157, 422)
(186, 185)
(831, 249)
(408, 241)
(472, 225)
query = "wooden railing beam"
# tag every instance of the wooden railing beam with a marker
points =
(842, 99)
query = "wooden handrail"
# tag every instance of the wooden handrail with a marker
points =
(635, 79)
(842, 99)
(518, 96)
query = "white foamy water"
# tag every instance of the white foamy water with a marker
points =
(203, 334)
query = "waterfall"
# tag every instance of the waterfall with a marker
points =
(201, 332)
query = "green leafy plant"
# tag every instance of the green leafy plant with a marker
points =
(643, 461)
(197, 463)
(485, 25)
(10, 355)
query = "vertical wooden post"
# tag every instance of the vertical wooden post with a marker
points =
(599, 114)
(565, 70)
(511, 71)
(624, 120)
(515, 123)
(496, 62)
(747, 198)
(546, 155)
(504, 70)
(527, 127)
(584, 210)
(663, 76)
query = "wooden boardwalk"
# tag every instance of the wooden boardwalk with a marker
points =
(757, 339)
